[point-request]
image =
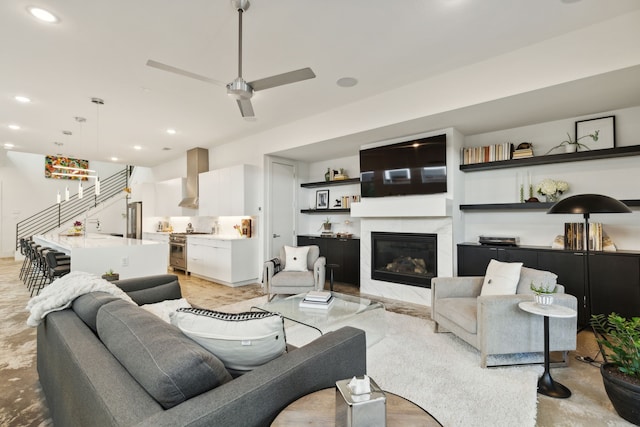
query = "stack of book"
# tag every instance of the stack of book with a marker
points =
(522, 153)
(574, 236)
(488, 153)
(317, 299)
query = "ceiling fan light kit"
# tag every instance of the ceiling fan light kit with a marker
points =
(239, 89)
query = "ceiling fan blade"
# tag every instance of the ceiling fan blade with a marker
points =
(283, 79)
(246, 109)
(175, 70)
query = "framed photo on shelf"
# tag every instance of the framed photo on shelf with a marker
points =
(606, 127)
(322, 199)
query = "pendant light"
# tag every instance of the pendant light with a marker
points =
(98, 102)
(58, 198)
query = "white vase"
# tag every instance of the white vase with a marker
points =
(571, 148)
(544, 299)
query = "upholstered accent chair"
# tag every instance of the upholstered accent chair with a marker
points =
(278, 280)
(494, 324)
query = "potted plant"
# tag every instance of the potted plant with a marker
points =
(572, 146)
(621, 370)
(327, 224)
(543, 293)
(111, 276)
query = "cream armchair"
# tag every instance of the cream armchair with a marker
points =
(495, 324)
(294, 282)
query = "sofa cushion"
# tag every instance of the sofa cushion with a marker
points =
(538, 277)
(296, 258)
(293, 278)
(243, 341)
(86, 306)
(461, 311)
(501, 278)
(171, 367)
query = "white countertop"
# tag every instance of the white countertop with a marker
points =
(92, 240)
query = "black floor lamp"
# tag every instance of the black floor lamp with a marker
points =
(587, 204)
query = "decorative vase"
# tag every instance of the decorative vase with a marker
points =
(552, 198)
(571, 148)
(327, 176)
(624, 395)
(544, 299)
(327, 226)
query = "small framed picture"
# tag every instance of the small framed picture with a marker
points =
(606, 128)
(322, 199)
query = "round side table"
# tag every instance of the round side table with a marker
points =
(319, 409)
(546, 384)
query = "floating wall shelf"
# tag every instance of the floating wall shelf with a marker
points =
(607, 153)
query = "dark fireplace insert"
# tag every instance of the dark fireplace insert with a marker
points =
(406, 258)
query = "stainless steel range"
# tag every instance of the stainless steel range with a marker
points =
(178, 250)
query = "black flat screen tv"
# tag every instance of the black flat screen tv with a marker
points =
(417, 166)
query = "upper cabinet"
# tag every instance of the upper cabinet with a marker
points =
(231, 191)
(168, 195)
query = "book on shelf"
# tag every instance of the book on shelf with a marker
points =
(487, 153)
(522, 153)
(574, 236)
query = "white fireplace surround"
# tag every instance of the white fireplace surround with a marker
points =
(408, 214)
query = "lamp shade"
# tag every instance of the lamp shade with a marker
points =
(588, 204)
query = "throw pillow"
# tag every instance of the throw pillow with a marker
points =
(501, 278)
(169, 366)
(296, 258)
(163, 309)
(242, 341)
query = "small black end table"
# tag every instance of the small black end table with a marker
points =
(331, 267)
(546, 384)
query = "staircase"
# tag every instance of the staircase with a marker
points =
(55, 216)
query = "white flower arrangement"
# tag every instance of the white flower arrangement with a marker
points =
(550, 187)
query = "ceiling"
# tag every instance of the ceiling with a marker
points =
(99, 49)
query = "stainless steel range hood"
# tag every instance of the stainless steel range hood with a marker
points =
(197, 162)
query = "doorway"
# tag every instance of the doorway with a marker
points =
(281, 205)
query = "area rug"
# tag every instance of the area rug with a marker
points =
(442, 374)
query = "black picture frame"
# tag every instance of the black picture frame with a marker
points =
(606, 137)
(322, 199)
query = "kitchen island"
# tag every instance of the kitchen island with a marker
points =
(99, 253)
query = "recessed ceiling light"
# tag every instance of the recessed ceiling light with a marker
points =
(114, 159)
(43, 15)
(171, 131)
(8, 145)
(137, 147)
(347, 82)
(22, 99)
(14, 127)
(166, 149)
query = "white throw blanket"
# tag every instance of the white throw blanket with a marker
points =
(60, 293)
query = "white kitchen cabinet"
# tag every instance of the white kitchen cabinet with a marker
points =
(169, 194)
(231, 262)
(231, 191)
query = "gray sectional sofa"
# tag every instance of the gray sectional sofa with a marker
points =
(85, 384)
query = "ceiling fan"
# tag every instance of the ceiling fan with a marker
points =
(240, 89)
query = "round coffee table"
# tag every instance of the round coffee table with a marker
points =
(319, 409)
